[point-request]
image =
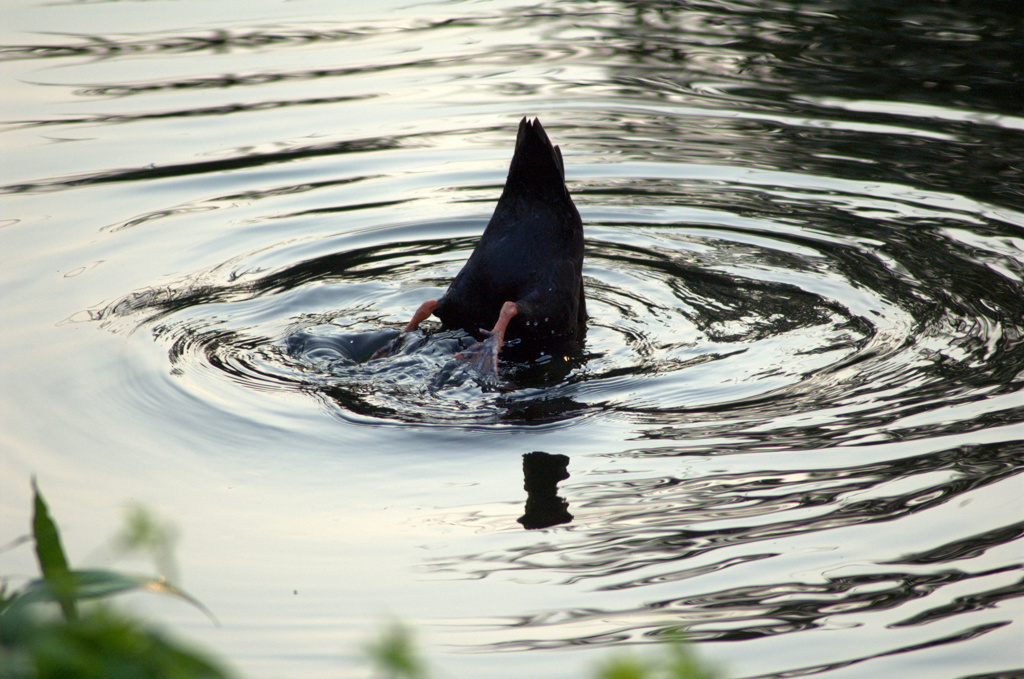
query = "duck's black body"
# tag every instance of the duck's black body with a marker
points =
(524, 278)
(531, 253)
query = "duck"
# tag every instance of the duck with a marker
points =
(522, 286)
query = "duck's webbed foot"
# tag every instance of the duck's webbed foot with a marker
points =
(483, 356)
(422, 314)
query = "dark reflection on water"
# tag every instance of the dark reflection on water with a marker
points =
(544, 507)
(614, 549)
(966, 548)
(220, 41)
(850, 72)
(152, 173)
(651, 533)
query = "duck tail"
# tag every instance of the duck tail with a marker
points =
(537, 163)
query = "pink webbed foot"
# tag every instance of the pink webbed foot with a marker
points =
(483, 356)
(422, 314)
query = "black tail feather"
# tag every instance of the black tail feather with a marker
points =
(537, 164)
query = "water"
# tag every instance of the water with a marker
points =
(795, 427)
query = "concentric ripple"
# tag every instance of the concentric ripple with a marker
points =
(798, 313)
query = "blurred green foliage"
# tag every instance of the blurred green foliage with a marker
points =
(678, 662)
(94, 643)
(394, 654)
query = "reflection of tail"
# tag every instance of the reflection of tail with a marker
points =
(544, 508)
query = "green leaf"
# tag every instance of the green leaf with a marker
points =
(623, 666)
(97, 584)
(395, 656)
(50, 553)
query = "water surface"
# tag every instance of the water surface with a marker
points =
(794, 429)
